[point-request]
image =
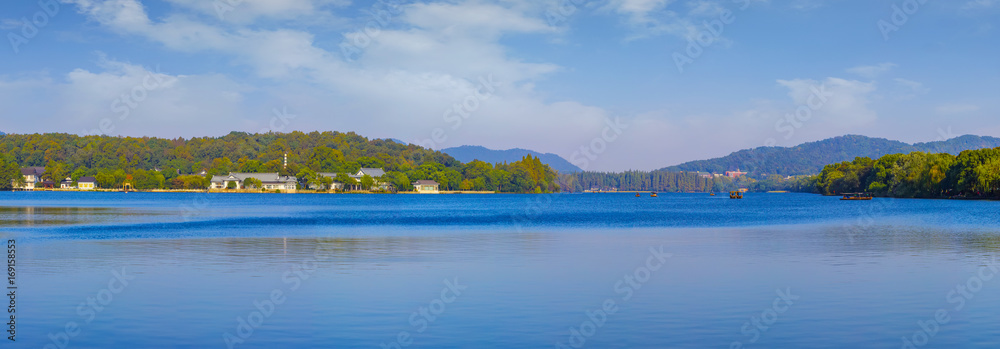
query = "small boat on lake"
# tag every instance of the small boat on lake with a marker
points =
(736, 194)
(653, 194)
(637, 195)
(857, 196)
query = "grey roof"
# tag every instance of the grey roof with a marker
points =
(374, 172)
(263, 177)
(32, 171)
(426, 182)
(87, 180)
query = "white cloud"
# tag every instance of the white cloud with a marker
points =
(247, 11)
(124, 98)
(871, 71)
(975, 5)
(669, 17)
(406, 77)
(428, 59)
(911, 88)
(10, 24)
(847, 101)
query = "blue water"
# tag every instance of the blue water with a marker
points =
(531, 271)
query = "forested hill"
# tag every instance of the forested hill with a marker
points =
(810, 158)
(163, 163)
(467, 153)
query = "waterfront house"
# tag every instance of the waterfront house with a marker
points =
(66, 183)
(374, 173)
(32, 176)
(425, 186)
(269, 181)
(334, 186)
(86, 183)
(735, 174)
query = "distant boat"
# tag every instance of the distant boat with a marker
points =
(736, 194)
(653, 194)
(713, 194)
(857, 196)
(637, 195)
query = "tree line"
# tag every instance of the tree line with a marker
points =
(158, 163)
(973, 174)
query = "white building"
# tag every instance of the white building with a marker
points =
(374, 173)
(269, 181)
(32, 176)
(425, 186)
(86, 183)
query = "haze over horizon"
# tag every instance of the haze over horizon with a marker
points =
(548, 76)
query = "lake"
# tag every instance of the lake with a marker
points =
(173, 270)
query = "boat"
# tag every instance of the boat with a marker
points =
(637, 195)
(653, 194)
(857, 196)
(736, 194)
(713, 194)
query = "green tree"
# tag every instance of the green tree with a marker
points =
(10, 175)
(367, 182)
(346, 180)
(253, 183)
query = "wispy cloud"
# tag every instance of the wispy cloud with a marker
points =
(915, 88)
(980, 5)
(10, 24)
(871, 71)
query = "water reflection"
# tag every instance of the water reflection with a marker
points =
(32, 216)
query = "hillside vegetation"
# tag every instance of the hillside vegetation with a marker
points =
(154, 163)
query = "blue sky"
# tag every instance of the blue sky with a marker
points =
(544, 75)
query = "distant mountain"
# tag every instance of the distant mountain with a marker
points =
(468, 153)
(397, 141)
(809, 158)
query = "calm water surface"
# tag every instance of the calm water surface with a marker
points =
(514, 271)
